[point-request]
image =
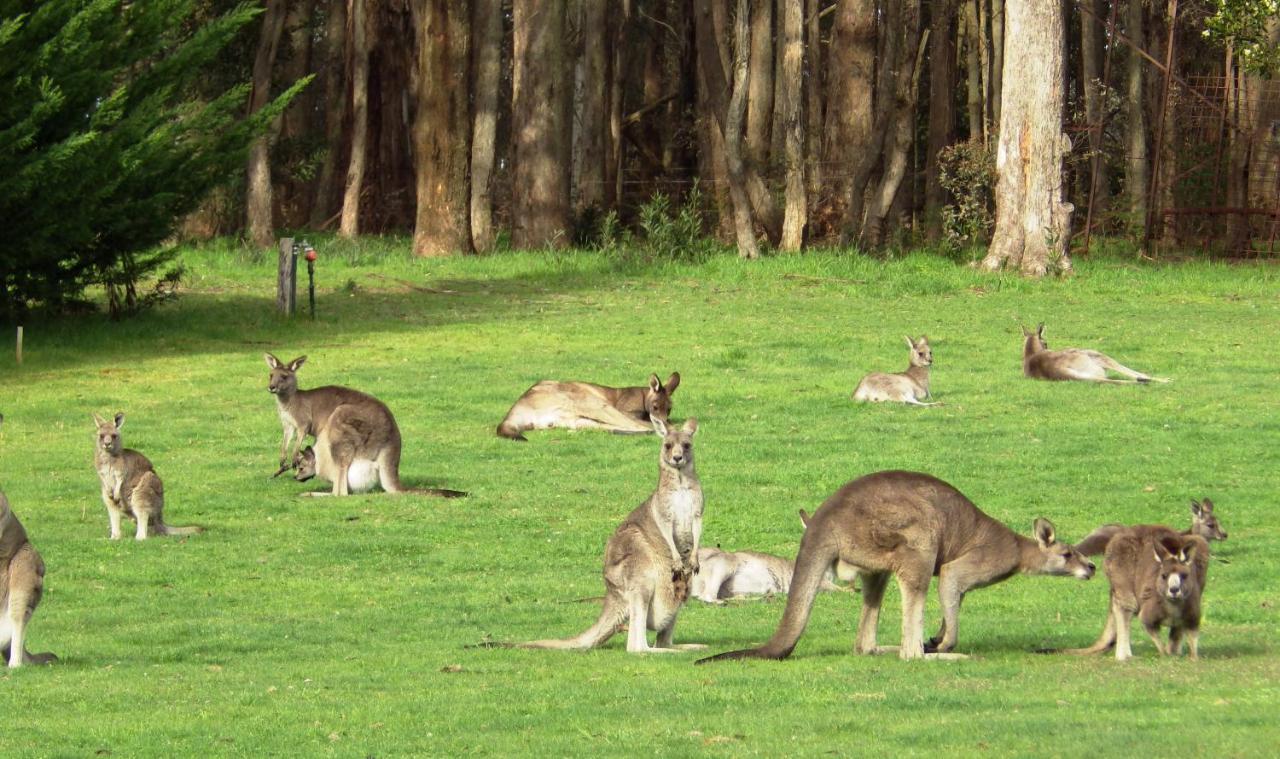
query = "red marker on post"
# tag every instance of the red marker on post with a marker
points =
(310, 255)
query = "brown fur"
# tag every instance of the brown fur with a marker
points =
(21, 587)
(130, 485)
(1038, 362)
(302, 412)
(579, 405)
(651, 557)
(743, 574)
(306, 465)
(911, 386)
(911, 526)
(1203, 523)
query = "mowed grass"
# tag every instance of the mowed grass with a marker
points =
(324, 627)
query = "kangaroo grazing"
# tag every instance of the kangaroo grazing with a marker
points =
(1038, 362)
(302, 412)
(911, 386)
(1203, 523)
(21, 586)
(582, 405)
(912, 526)
(649, 560)
(362, 474)
(1160, 577)
(130, 484)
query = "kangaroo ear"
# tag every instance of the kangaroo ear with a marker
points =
(119, 420)
(1040, 329)
(673, 382)
(659, 426)
(1044, 532)
(1165, 548)
(272, 361)
(1025, 332)
(99, 420)
(654, 385)
(1206, 506)
(924, 339)
(690, 427)
(1196, 509)
(1188, 553)
(911, 344)
(297, 363)
(804, 518)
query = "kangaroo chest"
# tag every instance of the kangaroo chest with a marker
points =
(682, 508)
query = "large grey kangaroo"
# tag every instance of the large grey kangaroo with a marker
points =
(303, 411)
(130, 485)
(21, 587)
(582, 405)
(1038, 362)
(649, 560)
(912, 526)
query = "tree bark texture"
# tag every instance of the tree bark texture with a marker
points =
(760, 84)
(973, 69)
(737, 108)
(540, 205)
(1092, 41)
(294, 203)
(796, 213)
(486, 64)
(1136, 169)
(997, 59)
(897, 151)
(942, 114)
(1033, 222)
(814, 90)
(851, 73)
(592, 126)
(335, 108)
(259, 205)
(358, 19)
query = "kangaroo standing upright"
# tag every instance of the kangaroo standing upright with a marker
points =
(911, 526)
(1203, 523)
(1038, 362)
(911, 386)
(649, 560)
(583, 405)
(21, 587)
(130, 484)
(302, 412)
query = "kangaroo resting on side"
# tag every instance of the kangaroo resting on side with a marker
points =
(1159, 576)
(912, 526)
(1038, 362)
(1203, 523)
(581, 405)
(302, 412)
(739, 574)
(649, 560)
(911, 386)
(130, 484)
(362, 474)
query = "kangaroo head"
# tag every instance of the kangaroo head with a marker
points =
(1034, 342)
(283, 380)
(921, 353)
(677, 444)
(304, 462)
(1059, 558)
(1204, 523)
(657, 396)
(1176, 578)
(108, 438)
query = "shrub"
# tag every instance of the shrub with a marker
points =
(967, 170)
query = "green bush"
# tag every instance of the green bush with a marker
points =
(967, 170)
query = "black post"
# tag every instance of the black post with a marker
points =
(311, 275)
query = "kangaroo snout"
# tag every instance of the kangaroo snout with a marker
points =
(1088, 570)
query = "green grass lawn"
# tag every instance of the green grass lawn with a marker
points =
(318, 626)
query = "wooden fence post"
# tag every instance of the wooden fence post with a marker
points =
(287, 278)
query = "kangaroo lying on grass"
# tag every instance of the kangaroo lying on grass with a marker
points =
(130, 484)
(303, 411)
(1038, 362)
(362, 474)
(649, 560)
(911, 526)
(582, 405)
(1160, 576)
(911, 386)
(1203, 523)
(21, 586)
(740, 574)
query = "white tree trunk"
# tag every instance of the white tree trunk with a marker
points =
(792, 92)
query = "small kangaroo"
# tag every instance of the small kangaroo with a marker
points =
(912, 526)
(21, 586)
(911, 386)
(1038, 362)
(130, 484)
(302, 411)
(651, 557)
(1160, 576)
(741, 574)
(1203, 523)
(362, 474)
(582, 405)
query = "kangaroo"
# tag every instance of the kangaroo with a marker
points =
(362, 474)
(1203, 523)
(912, 526)
(649, 560)
(740, 574)
(302, 411)
(1160, 576)
(130, 484)
(1038, 362)
(581, 405)
(21, 587)
(911, 386)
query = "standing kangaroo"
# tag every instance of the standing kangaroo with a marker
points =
(581, 405)
(911, 386)
(649, 560)
(302, 412)
(130, 484)
(21, 586)
(1203, 523)
(1038, 362)
(911, 526)
(1159, 576)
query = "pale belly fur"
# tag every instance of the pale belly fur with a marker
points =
(362, 476)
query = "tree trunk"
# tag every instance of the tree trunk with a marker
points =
(540, 206)
(441, 129)
(357, 11)
(1033, 222)
(737, 108)
(593, 128)
(295, 203)
(486, 63)
(620, 72)
(814, 67)
(898, 143)
(259, 227)
(997, 60)
(977, 126)
(1091, 51)
(1136, 175)
(851, 74)
(942, 113)
(760, 84)
(335, 108)
(792, 31)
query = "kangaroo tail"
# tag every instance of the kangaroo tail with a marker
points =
(1095, 542)
(1104, 642)
(817, 555)
(438, 492)
(613, 613)
(168, 529)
